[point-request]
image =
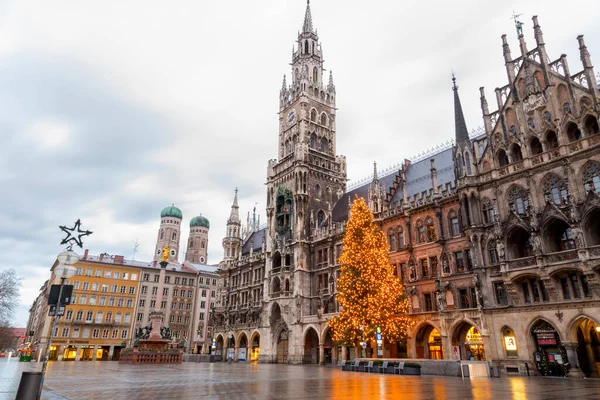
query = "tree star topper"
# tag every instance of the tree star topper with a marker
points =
(74, 234)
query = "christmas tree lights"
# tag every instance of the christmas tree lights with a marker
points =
(369, 293)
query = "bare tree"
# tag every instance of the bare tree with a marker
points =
(9, 300)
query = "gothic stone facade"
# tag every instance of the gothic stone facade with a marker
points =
(496, 238)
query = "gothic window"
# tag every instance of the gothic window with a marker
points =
(591, 125)
(430, 230)
(203, 244)
(174, 235)
(313, 115)
(460, 163)
(531, 123)
(547, 116)
(433, 261)
(401, 243)
(320, 218)
(421, 236)
(555, 189)
(162, 234)
(288, 147)
(567, 241)
(513, 129)
(492, 253)
(488, 212)
(324, 145)
(518, 200)
(317, 191)
(425, 272)
(313, 141)
(392, 240)
(573, 132)
(306, 46)
(191, 243)
(502, 158)
(323, 119)
(567, 108)
(591, 176)
(315, 75)
(454, 223)
(468, 163)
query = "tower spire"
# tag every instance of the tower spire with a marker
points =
(234, 216)
(462, 135)
(308, 25)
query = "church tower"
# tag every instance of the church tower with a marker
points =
(232, 241)
(197, 251)
(308, 178)
(168, 233)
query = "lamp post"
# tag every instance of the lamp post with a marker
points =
(64, 270)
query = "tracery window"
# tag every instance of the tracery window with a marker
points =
(518, 200)
(492, 253)
(555, 189)
(313, 115)
(421, 235)
(591, 177)
(488, 212)
(430, 230)
(392, 240)
(401, 242)
(454, 223)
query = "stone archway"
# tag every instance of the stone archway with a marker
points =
(242, 347)
(550, 357)
(330, 350)
(311, 347)
(255, 347)
(220, 344)
(468, 339)
(586, 333)
(428, 343)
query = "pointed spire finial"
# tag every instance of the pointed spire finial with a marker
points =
(375, 177)
(462, 135)
(308, 26)
(331, 85)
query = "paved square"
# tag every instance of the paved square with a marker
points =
(109, 380)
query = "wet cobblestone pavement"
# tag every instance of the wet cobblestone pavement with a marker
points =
(109, 380)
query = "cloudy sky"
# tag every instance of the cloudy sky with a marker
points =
(110, 111)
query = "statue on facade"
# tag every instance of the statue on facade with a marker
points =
(165, 253)
(500, 249)
(536, 242)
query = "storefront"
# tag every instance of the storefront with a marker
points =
(70, 353)
(434, 344)
(87, 353)
(550, 357)
(474, 345)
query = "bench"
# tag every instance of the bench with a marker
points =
(383, 368)
(369, 367)
(343, 365)
(355, 366)
(399, 368)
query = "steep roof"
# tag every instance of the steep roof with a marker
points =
(254, 242)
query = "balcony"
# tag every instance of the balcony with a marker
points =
(518, 263)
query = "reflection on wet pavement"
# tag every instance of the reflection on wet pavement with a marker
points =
(109, 380)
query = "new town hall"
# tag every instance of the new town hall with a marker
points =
(496, 238)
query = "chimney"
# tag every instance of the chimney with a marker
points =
(85, 254)
(101, 256)
(119, 259)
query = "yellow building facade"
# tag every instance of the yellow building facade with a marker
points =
(99, 321)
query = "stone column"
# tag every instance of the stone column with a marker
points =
(94, 352)
(235, 353)
(446, 347)
(59, 353)
(575, 371)
(334, 355)
(111, 352)
(344, 352)
(78, 354)
(321, 354)
(590, 354)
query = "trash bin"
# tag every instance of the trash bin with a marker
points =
(29, 385)
(212, 358)
(495, 371)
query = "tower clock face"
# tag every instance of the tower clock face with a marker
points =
(291, 117)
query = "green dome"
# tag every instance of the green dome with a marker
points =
(171, 211)
(200, 221)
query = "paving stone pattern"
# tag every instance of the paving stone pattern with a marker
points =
(110, 380)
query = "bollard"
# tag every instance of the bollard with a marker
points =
(29, 385)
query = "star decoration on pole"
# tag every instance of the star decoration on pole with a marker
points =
(74, 234)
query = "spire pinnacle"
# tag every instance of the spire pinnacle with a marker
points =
(462, 135)
(234, 216)
(331, 85)
(375, 177)
(308, 26)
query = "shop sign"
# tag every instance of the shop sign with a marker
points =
(546, 338)
(510, 343)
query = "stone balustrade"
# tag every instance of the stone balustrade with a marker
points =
(151, 357)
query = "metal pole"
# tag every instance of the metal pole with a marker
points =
(39, 396)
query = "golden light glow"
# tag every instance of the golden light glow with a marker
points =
(510, 342)
(369, 293)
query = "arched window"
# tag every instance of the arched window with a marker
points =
(127, 318)
(573, 132)
(79, 315)
(287, 285)
(401, 242)
(488, 212)
(510, 342)
(174, 235)
(315, 74)
(515, 150)
(288, 147)
(421, 235)
(320, 218)
(324, 145)
(531, 123)
(276, 286)
(99, 316)
(192, 240)
(468, 163)
(317, 191)
(518, 244)
(306, 47)
(502, 158)
(551, 140)
(69, 314)
(89, 316)
(323, 119)
(591, 125)
(430, 230)
(492, 252)
(313, 115)
(567, 108)
(392, 240)
(518, 200)
(162, 234)
(118, 317)
(547, 116)
(108, 316)
(555, 189)
(535, 146)
(591, 176)
(454, 223)
(459, 163)
(203, 244)
(313, 141)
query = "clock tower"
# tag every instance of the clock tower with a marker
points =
(306, 180)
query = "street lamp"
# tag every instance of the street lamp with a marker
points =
(64, 270)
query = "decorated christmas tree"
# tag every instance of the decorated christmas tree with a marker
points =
(369, 293)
